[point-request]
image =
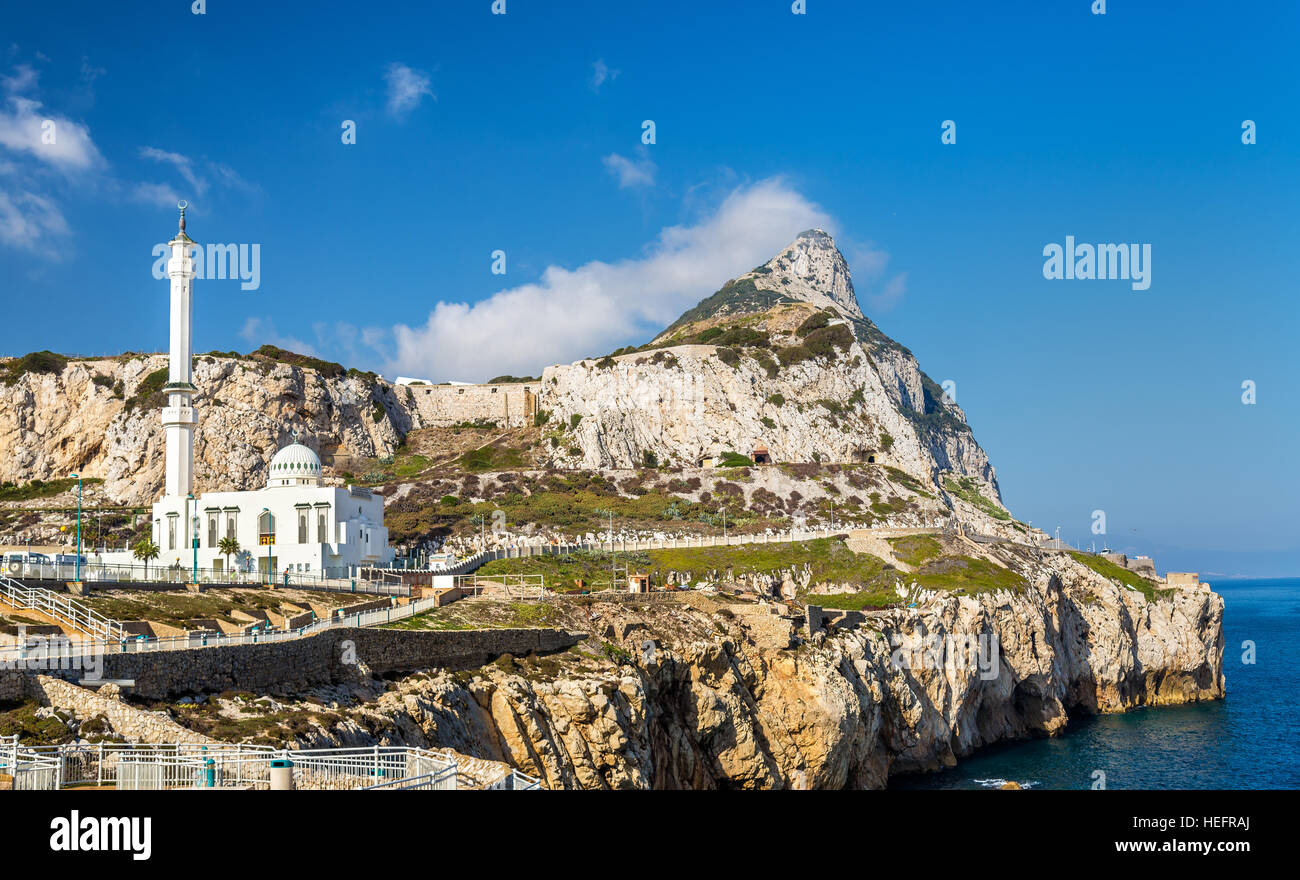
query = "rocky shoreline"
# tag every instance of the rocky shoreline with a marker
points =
(705, 697)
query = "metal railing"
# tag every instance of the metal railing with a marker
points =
(515, 780)
(120, 572)
(30, 771)
(62, 608)
(133, 766)
(143, 644)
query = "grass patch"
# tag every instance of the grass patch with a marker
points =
(965, 575)
(484, 615)
(492, 458)
(1114, 572)
(967, 490)
(829, 559)
(42, 488)
(916, 550)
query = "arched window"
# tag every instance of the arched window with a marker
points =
(266, 525)
(302, 527)
(320, 528)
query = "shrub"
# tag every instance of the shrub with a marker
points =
(813, 322)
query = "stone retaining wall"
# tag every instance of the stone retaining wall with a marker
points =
(323, 658)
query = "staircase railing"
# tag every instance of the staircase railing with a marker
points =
(62, 608)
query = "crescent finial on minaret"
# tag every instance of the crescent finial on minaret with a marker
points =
(182, 204)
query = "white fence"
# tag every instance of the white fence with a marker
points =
(142, 767)
(30, 771)
(95, 572)
(141, 644)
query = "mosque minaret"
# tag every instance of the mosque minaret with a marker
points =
(178, 416)
(294, 525)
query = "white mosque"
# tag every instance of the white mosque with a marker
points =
(295, 524)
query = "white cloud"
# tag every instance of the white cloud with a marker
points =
(160, 194)
(631, 173)
(27, 221)
(600, 74)
(573, 313)
(261, 331)
(23, 129)
(181, 164)
(406, 88)
(23, 79)
(890, 295)
(869, 263)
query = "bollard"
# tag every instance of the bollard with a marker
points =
(282, 775)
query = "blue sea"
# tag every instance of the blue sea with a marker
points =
(1248, 740)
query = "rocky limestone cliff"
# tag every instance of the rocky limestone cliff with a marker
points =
(840, 392)
(52, 424)
(859, 397)
(692, 699)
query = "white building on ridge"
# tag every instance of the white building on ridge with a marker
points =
(293, 524)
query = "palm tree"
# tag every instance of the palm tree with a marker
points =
(145, 549)
(228, 545)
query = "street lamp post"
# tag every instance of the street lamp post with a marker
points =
(267, 511)
(194, 540)
(78, 559)
(188, 498)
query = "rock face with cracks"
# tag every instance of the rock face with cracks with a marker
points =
(699, 701)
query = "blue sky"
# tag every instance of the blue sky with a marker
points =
(522, 133)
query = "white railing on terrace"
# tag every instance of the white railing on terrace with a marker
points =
(515, 781)
(105, 572)
(179, 766)
(30, 771)
(142, 644)
(62, 608)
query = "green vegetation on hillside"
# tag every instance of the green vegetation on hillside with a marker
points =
(1130, 579)
(328, 369)
(823, 342)
(966, 575)
(967, 489)
(492, 458)
(735, 297)
(35, 362)
(42, 488)
(149, 394)
(916, 550)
